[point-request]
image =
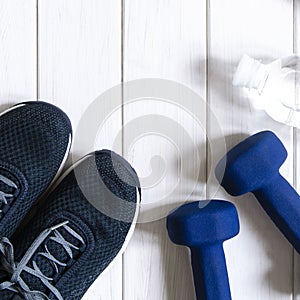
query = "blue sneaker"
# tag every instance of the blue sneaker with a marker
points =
(35, 141)
(80, 228)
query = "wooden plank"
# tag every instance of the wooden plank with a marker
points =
(79, 59)
(18, 51)
(164, 40)
(296, 292)
(260, 260)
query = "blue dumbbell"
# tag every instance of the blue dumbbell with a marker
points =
(203, 227)
(253, 166)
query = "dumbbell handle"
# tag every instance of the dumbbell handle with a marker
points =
(210, 272)
(282, 204)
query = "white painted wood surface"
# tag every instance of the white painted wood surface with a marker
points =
(79, 58)
(296, 273)
(260, 260)
(166, 40)
(18, 51)
(69, 52)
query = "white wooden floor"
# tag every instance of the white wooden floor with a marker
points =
(69, 52)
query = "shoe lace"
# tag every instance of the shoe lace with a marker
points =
(14, 269)
(4, 197)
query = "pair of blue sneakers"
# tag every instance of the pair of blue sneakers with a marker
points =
(68, 239)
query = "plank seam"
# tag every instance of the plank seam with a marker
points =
(294, 142)
(207, 41)
(122, 118)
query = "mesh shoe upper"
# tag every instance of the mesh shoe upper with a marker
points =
(34, 139)
(76, 233)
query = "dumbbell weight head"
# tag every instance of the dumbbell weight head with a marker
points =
(203, 222)
(203, 227)
(251, 163)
